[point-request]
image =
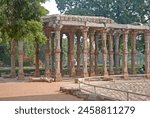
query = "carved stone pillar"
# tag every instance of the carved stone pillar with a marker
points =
(61, 60)
(12, 52)
(91, 71)
(58, 76)
(85, 52)
(78, 71)
(125, 55)
(111, 58)
(53, 55)
(20, 50)
(117, 61)
(96, 55)
(47, 59)
(68, 64)
(71, 52)
(133, 53)
(104, 53)
(147, 54)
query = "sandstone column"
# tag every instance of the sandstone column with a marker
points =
(85, 51)
(133, 53)
(68, 64)
(71, 39)
(47, 56)
(78, 71)
(20, 50)
(125, 54)
(147, 54)
(57, 53)
(61, 61)
(104, 53)
(52, 55)
(117, 60)
(12, 52)
(96, 54)
(91, 71)
(37, 70)
(111, 58)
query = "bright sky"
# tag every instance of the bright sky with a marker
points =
(52, 7)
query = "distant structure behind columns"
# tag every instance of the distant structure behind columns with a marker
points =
(125, 54)
(133, 53)
(85, 51)
(147, 54)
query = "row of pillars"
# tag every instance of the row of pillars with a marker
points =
(56, 53)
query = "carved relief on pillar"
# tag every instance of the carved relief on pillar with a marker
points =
(47, 54)
(133, 53)
(61, 62)
(111, 58)
(58, 76)
(125, 54)
(104, 53)
(147, 54)
(52, 55)
(91, 71)
(78, 71)
(84, 31)
(71, 53)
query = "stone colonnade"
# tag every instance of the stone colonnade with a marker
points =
(110, 53)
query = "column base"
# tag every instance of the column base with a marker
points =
(91, 74)
(72, 72)
(13, 74)
(47, 74)
(37, 73)
(58, 77)
(20, 76)
(78, 72)
(84, 75)
(125, 76)
(111, 72)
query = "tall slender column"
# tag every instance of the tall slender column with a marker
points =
(85, 51)
(133, 53)
(20, 50)
(104, 53)
(68, 64)
(125, 54)
(111, 59)
(72, 69)
(92, 73)
(57, 53)
(117, 61)
(12, 52)
(61, 62)
(47, 58)
(52, 55)
(147, 54)
(96, 54)
(78, 54)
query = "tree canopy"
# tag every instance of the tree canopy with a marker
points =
(21, 18)
(122, 11)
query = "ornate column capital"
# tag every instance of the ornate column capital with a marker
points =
(84, 29)
(57, 27)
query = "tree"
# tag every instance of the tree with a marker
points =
(20, 19)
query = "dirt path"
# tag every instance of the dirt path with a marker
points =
(13, 90)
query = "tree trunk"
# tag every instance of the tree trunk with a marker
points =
(20, 59)
(12, 52)
(37, 70)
